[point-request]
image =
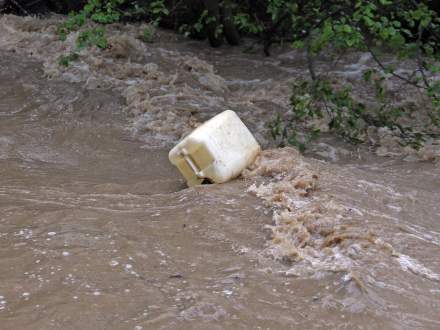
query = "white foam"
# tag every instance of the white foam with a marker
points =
(409, 264)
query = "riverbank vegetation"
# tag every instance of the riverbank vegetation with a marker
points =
(401, 37)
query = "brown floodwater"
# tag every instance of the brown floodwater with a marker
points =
(98, 231)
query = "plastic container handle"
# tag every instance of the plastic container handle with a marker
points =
(198, 172)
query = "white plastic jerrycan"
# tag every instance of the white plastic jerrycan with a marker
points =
(218, 150)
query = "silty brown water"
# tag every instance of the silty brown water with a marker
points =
(97, 230)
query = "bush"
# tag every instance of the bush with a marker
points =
(409, 29)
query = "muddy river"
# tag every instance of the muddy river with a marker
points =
(98, 231)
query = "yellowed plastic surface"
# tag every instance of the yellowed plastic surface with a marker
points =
(197, 155)
(218, 150)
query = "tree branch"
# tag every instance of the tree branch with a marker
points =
(380, 64)
(419, 58)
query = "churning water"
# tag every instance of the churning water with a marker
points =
(97, 230)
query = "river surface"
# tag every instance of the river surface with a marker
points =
(98, 231)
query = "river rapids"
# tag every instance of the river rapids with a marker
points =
(98, 231)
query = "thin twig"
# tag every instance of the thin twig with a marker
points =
(20, 7)
(378, 62)
(33, 3)
(310, 61)
(419, 59)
